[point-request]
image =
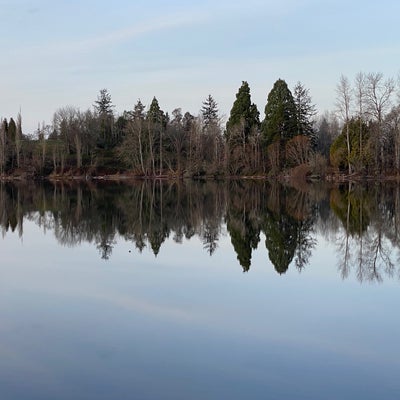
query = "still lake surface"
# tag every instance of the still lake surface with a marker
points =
(197, 290)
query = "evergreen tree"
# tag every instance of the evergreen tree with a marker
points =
(18, 138)
(12, 132)
(280, 123)
(338, 151)
(103, 105)
(104, 108)
(305, 111)
(244, 115)
(138, 111)
(156, 120)
(155, 115)
(3, 145)
(209, 112)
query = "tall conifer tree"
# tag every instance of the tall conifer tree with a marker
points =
(243, 113)
(280, 121)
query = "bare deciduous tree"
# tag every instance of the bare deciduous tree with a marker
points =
(378, 95)
(360, 96)
(343, 104)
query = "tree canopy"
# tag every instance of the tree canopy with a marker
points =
(244, 113)
(280, 121)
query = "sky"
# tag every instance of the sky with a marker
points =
(56, 53)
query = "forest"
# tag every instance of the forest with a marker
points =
(359, 139)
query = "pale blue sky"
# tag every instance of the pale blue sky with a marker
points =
(57, 53)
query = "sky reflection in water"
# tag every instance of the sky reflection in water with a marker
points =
(186, 325)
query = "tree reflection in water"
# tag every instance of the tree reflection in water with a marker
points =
(362, 220)
(369, 216)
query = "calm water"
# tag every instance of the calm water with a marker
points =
(199, 291)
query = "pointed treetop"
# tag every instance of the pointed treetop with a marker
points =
(103, 105)
(280, 114)
(243, 111)
(209, 112)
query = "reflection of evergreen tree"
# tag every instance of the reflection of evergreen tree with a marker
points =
(287, 227)
(210, 236)
(351, 205)
(281, 240)
(242, 221)
(156, 239)
(105, 247)
(244, 238)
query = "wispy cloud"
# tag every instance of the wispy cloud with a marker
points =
(126, 34)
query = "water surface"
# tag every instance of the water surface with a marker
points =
(199, 291)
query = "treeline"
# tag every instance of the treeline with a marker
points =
(361, 137)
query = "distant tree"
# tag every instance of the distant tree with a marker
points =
(209, 112)
(103, 105)
(138, 129)
(360, 98)
(12, 130)
(379, 100)
(393, 122)
(133, 151)
(176, 143)
(18, 139)
(343, 104)
(305, 111)
(3, 145)
(104, 108)
(156, 122)
(12, 133)
(211, 139)
(338, 152)
(326, 132)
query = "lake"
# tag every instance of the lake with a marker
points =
(199, 290)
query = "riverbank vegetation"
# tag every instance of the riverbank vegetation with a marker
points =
(359, 139)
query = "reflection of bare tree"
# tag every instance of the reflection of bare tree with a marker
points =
(378, 259)
(344, 263)
(305, 244)
(365, 249)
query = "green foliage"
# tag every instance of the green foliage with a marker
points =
(305, 111)
(360, 155)
(155, 115)
(103, 105)
(281, 234)
(104, 108)
(245, 236)
(12, 130)
(244, 115)
(280, 123)
(209, 112)
(353, 209)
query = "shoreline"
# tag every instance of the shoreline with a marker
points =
(126, 176)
